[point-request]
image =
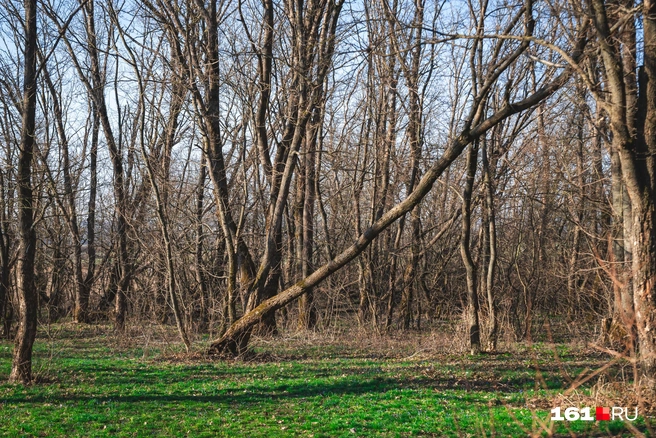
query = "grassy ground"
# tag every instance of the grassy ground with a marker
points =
(94, 384)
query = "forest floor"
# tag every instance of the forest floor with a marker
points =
(91, 382)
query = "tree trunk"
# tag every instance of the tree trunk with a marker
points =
(307, 311)
(492, 245)
(5, 267)
(618, 268)
(644, 289)
(391, 300)
(21, 367)
(632, 114)
(472, 291)
(160, 199)
(579, 204)
(91, 208)
(198, 253)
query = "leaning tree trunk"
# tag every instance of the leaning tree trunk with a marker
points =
(235, 339)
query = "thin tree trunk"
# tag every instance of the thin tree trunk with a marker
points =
(579, 205)
(307, 310)
(198, 254)
(492, 245)
(391, 301)
(465, 252)
(5, 267)
(170, 269)
(168, 139)
(91, 208)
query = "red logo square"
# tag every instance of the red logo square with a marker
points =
(603, 414)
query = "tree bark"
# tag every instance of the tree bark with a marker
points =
(492, 245)
(198, 253)
(5, 268)
(632, 114)
(307, 310)
(473, 326)
(21, 367)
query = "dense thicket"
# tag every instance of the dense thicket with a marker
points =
(194, 159)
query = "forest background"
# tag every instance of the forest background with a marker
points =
(240, 168)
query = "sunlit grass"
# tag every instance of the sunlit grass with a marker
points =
(93, 385)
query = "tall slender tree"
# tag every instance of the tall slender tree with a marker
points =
(21, 367)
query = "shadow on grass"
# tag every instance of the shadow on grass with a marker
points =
(252, 394)
(411, 377)
(263, 387)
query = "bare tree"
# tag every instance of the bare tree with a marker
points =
(21, 367)
(475, 125)
(630, 103)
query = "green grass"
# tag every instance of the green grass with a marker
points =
(93, 385)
